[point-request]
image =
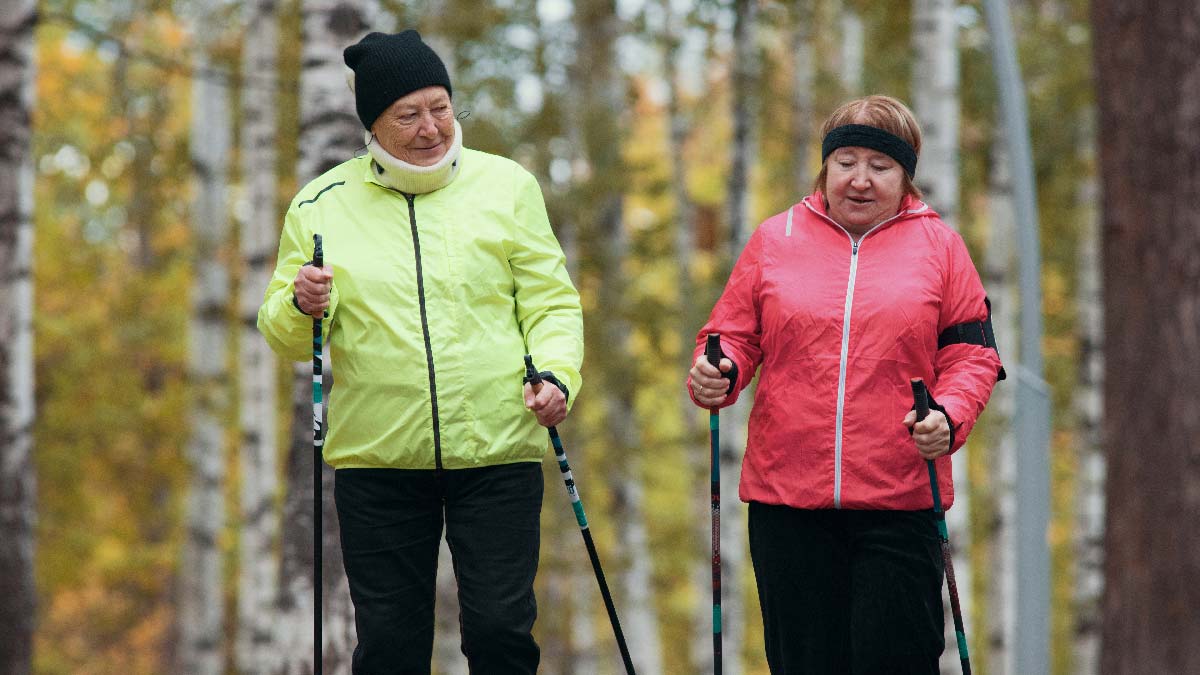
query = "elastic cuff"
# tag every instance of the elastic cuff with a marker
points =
(549, 377)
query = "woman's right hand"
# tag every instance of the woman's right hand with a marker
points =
(709, 388)
(312, 289)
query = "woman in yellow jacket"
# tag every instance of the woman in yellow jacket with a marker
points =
(442, 272)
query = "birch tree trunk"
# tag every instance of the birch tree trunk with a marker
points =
(852, 45)
(804, 70)
(257, 582)
(329, 133)
(1089, 407)
(17, 488)
(1151, 261)
(601, 104)
(999, 277)
(201, 605)
(734, 418)
(936, 105)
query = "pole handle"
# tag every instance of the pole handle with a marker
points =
(532, 376)
(318, 252)
(920, 397)
(712, 349)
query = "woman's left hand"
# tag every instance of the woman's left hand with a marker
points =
(932, 434)
(548, 403)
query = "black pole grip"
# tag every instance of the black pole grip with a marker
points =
(921, 398)
(318, 252)
(531, 374)
(712, 349)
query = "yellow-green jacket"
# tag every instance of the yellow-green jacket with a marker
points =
(435, 299)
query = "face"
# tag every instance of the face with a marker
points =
(863, 186)
(418, 128)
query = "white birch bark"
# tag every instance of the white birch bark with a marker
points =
(1000, 279)
(936, 105)
(584, 622)
(804, 69)
(601, 102)
(17, 481)
(1089, 407)
(733, 420)
(201, 604)
(258, 567)
(329, 134)
(852, 46)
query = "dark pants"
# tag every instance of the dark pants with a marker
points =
(391, 522)
(848, 591)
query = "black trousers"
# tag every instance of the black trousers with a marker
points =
(391, 527)
(848, 591)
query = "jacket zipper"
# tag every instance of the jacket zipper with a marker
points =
(437, 431)
(843, 364)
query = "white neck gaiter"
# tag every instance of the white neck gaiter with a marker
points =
(398, 174)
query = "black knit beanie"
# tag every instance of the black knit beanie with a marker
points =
(390, 67)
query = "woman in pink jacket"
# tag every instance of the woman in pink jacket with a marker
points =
(838, 302)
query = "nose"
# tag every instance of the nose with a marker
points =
(859, 179)
(427, 126)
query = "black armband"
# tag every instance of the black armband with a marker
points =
(973, 333)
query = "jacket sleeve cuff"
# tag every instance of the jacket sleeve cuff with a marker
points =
(934, 405)
(549, 377)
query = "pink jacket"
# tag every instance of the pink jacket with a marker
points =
(839, 329)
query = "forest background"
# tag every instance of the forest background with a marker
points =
(169, 529)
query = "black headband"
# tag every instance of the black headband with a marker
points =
(863, 136)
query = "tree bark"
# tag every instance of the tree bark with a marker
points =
(201, 605)
(1000, 277)
(17, 487)
(734, 419)
(329, 134)
(258, 569)
(804, 72)
(936, 105)
(1089, 409)
(1151, 259)
(601, 102)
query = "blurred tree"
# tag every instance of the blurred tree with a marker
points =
(17, 498)
(1089, 409)
(600, 102)
(257, 577)
(1151, 250)
(202, 598)
(329, 133)
(744, 102)
(936, 104)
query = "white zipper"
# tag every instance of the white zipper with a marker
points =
(844, 359)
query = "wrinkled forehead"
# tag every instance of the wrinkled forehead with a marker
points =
(422, 98)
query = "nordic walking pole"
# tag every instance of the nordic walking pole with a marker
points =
(921, 397)
(318, 444)
(712, 350)
(535, 379)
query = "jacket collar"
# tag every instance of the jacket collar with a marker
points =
(392, 172)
